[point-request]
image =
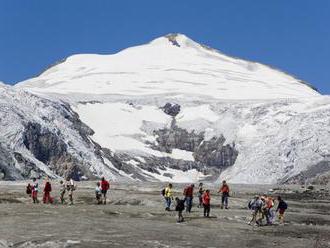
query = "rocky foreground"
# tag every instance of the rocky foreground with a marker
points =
(135, 217)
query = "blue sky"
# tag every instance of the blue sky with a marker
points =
(291, 35)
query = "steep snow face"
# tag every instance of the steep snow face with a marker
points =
(278, 126)
(173, 65)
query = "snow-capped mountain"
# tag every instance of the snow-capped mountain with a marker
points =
(175, 110)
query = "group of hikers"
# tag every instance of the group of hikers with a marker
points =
(262, 207)
(69, 187)
(204, 197)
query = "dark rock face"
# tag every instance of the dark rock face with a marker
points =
(172, 38)
(179, 138)
(171, 109)
(212, 153)
(8, 171)
(50, 149)
(43, 144)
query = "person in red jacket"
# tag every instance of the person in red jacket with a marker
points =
(206, 198)
(47, 189)
(104, 189)
(224, 190)
(188, 196)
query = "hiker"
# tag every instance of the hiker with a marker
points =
(268, 210)
(28, 190)
(104, 189)
(256, 205)
(70, 186)
(206, 203)
(179, 208)
(224, 190)
(200, 195)
(168, 197)
(98, 193)
(47, 189)
(281, 208)
(35, 190)
(188, 194)
(62, 191)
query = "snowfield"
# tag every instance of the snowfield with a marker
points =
(278, 124)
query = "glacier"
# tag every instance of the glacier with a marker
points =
(238, 120)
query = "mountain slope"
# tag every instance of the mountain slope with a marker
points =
(176, 110)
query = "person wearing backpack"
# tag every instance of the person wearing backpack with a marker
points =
(188, 196)
(105, 185)
(200, 195)
(281, 208)
(256, 205)
(179, 208)
(47, 189)
(206, 203)
(168, 197)
(35, 190)
(224, 190)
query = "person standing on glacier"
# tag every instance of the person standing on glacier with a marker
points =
(189, 195)
(200, 195)
(47, 189)
(224, 190)
(168, 195)
(105, 185)
(35, 190)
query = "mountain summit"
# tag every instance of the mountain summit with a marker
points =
(172, 64)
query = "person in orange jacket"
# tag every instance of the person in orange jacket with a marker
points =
(206, 198)
(224, 190)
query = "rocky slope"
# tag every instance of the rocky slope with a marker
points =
(175, 110)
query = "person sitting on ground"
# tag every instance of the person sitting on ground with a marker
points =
(35, 190)
(189, 194)
(207, 203)
(179, 208)
(98, 193)
(256, 205)
(47, 189)
(168, 197)
(105, 185)
(224, 190)
(200, 195)
(281, 208)
(62, 191)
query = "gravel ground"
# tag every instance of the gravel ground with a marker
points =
(135, 217)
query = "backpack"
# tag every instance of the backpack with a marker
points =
(250, 204)
(28, 189)
(163, 192)
(285, 205)
(180, 205)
